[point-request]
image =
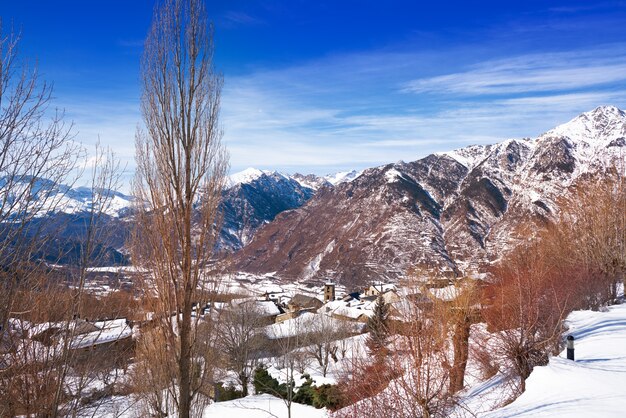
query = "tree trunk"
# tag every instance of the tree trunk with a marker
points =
(184, 409)
(244, 384)
(461, 353)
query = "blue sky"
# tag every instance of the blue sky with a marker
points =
(325, 86)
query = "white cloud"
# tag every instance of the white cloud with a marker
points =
(353, 110)
(546, 72)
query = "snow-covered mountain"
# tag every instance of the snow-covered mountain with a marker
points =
(64, 213)
(310, 181)
(254, 197)
(47, 197)
(455, 210)
(342, 177)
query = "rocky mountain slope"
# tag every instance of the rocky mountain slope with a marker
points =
(40, 207)
(252, 198)
(456, 211)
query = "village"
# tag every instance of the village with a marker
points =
(318, 331)
(277, 308)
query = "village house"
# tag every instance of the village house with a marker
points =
(300, 302)
(50, 333)
(268, 310)
(352, 307)
(376, 289)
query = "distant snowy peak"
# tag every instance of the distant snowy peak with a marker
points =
(315, 182)
(247, 176)
(311, 181)
(48, 197)
(599, 127)
(342, 177)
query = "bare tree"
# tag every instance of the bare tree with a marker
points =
(105, 176)
(36, 156)
(38, 164)
(576, 263)
(528, 301)
(592, 227)
(51, 365)
(241, 340)
(413, 379)
(324, 340)
(181, 169)
(461, 313)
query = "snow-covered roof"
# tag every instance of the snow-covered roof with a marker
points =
(110, 331)
(291, 327)
(79, 326)
(352, 309)
(305, 301)
(264, 307)
(308, 322)
(267, 307)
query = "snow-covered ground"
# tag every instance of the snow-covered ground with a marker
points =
(253, 406)
(261, 406)
(592, 386)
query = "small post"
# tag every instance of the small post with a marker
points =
(570, 347)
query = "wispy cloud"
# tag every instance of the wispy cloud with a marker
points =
(233, 18)
(358, 110)
(534, 73)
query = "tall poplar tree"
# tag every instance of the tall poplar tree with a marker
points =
(181, 168)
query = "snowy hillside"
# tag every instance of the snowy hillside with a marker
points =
(592, 386)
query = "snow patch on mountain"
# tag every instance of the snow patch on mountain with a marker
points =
(342, 177)
(314, 265)
(45, 197)
(246, 176)
(596, 128)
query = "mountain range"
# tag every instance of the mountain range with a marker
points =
(455, 211)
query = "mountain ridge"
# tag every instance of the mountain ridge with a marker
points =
(453, 211)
